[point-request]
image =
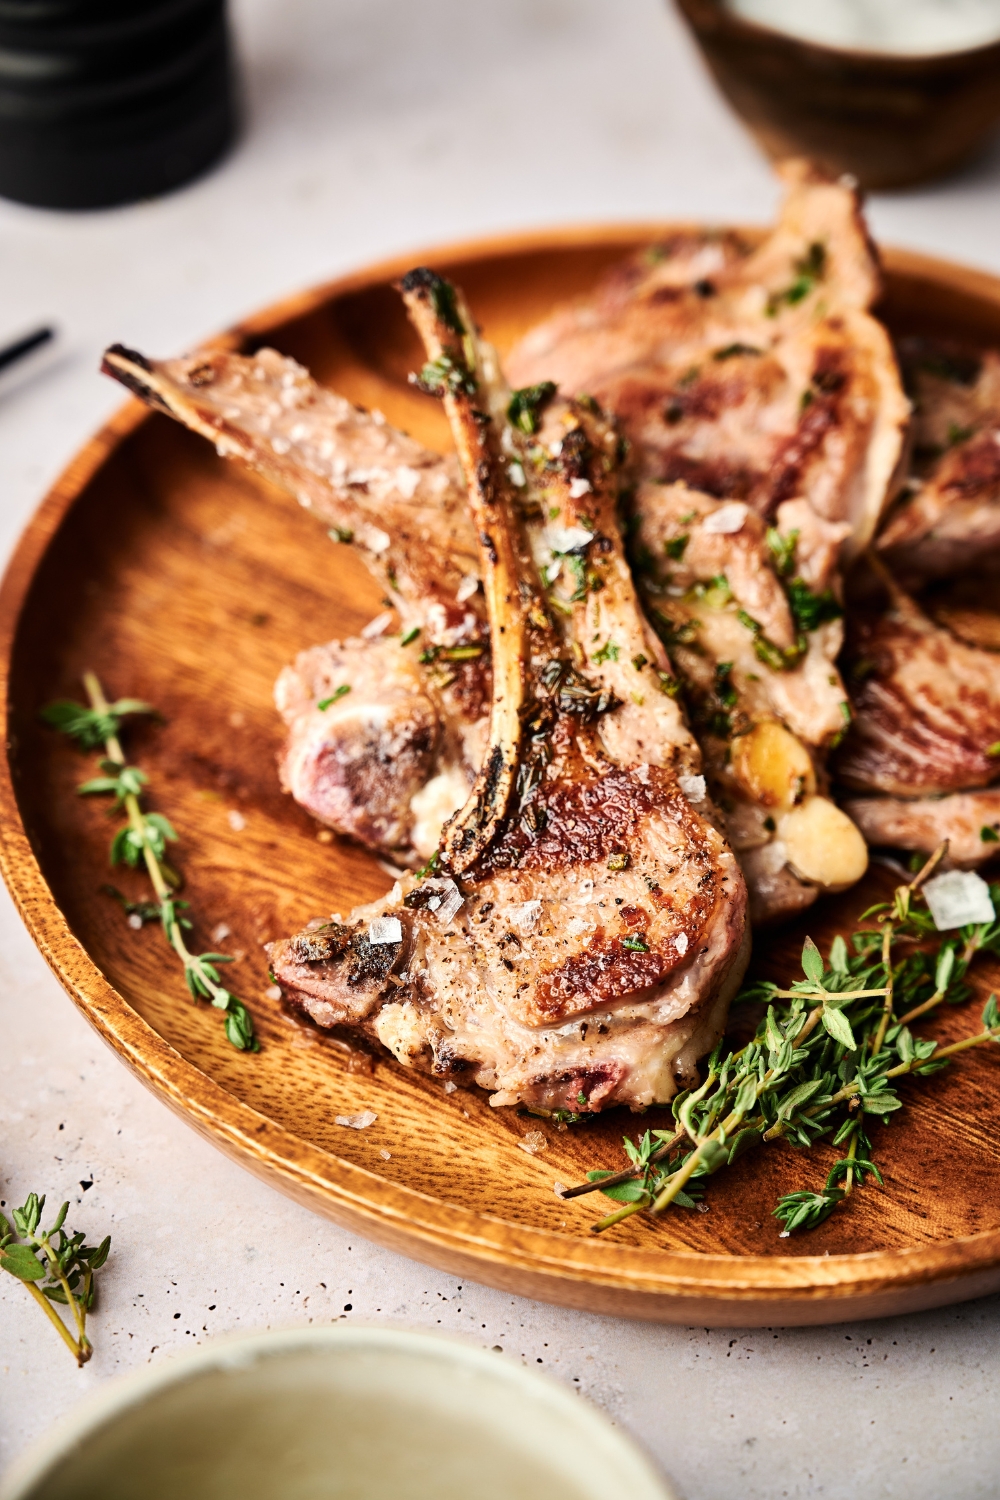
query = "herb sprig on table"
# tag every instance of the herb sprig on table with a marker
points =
(824, 1063)
(142, 841)
(54, 1266)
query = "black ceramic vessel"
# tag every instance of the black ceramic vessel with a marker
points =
(106, 101)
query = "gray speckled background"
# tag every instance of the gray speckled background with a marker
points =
(377, 126)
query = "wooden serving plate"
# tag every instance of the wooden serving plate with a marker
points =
(183, 580)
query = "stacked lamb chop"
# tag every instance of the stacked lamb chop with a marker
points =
(575, 772)
(921, 658)
(584, 930)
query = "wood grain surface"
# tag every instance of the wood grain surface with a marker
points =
(185, 581)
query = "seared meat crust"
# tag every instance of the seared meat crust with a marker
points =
(926, 706)
(950, 518)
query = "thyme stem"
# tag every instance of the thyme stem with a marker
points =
(81, 1351)
(883, 1025)
(146, 835)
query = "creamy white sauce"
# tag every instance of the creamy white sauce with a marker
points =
(908, 27)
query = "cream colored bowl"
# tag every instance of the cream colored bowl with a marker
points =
(335, 1414)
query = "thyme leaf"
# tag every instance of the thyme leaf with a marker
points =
(823, 1064)
(143, 842)
(55, 1266)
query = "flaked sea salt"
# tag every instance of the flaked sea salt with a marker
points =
(449, 1087)
(533, 1142)
(134, 921)
(578, 488)
(468, 586)
(681, 943)
(376, 540)
(958, 898)
(526, 915)
(357, 1122)
(385, 930)
(237, 821)
(385, 1155)
(273, 992)
(567, 539)
(727, 520)
(693, 787)
(445, 900)
(560, 1189)
(377, 627)
(220, 932)
(406, 480)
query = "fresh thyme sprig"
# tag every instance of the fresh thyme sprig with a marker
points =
(54, 1266)
(143, 841)
(824, 1062)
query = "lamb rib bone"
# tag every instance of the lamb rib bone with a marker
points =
(591, 947)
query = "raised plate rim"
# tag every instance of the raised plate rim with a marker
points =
(600, 1275)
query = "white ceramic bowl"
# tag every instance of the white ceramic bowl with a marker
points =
(335, 1414)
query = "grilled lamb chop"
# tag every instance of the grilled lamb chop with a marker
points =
(766, 382)
(764, 694)
(949, 520)
(924, 743)
(585, 928)
(387, 763)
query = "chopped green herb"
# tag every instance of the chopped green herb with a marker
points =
(640, 661)
(341, 692)
(447, 373)
(619, 860)
(445, 306)
(340, 534)
(810, 270)
(526, 406)
(958, 434)
(674, 547)
(409, 636)
(777, 658)
(993, 750)
(809, 610)
(782, 549)
(724, 689)
(732, 350)
(989, 835)
(608, 652)
(635, 944)
(716, 593)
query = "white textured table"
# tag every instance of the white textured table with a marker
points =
(375, 127)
